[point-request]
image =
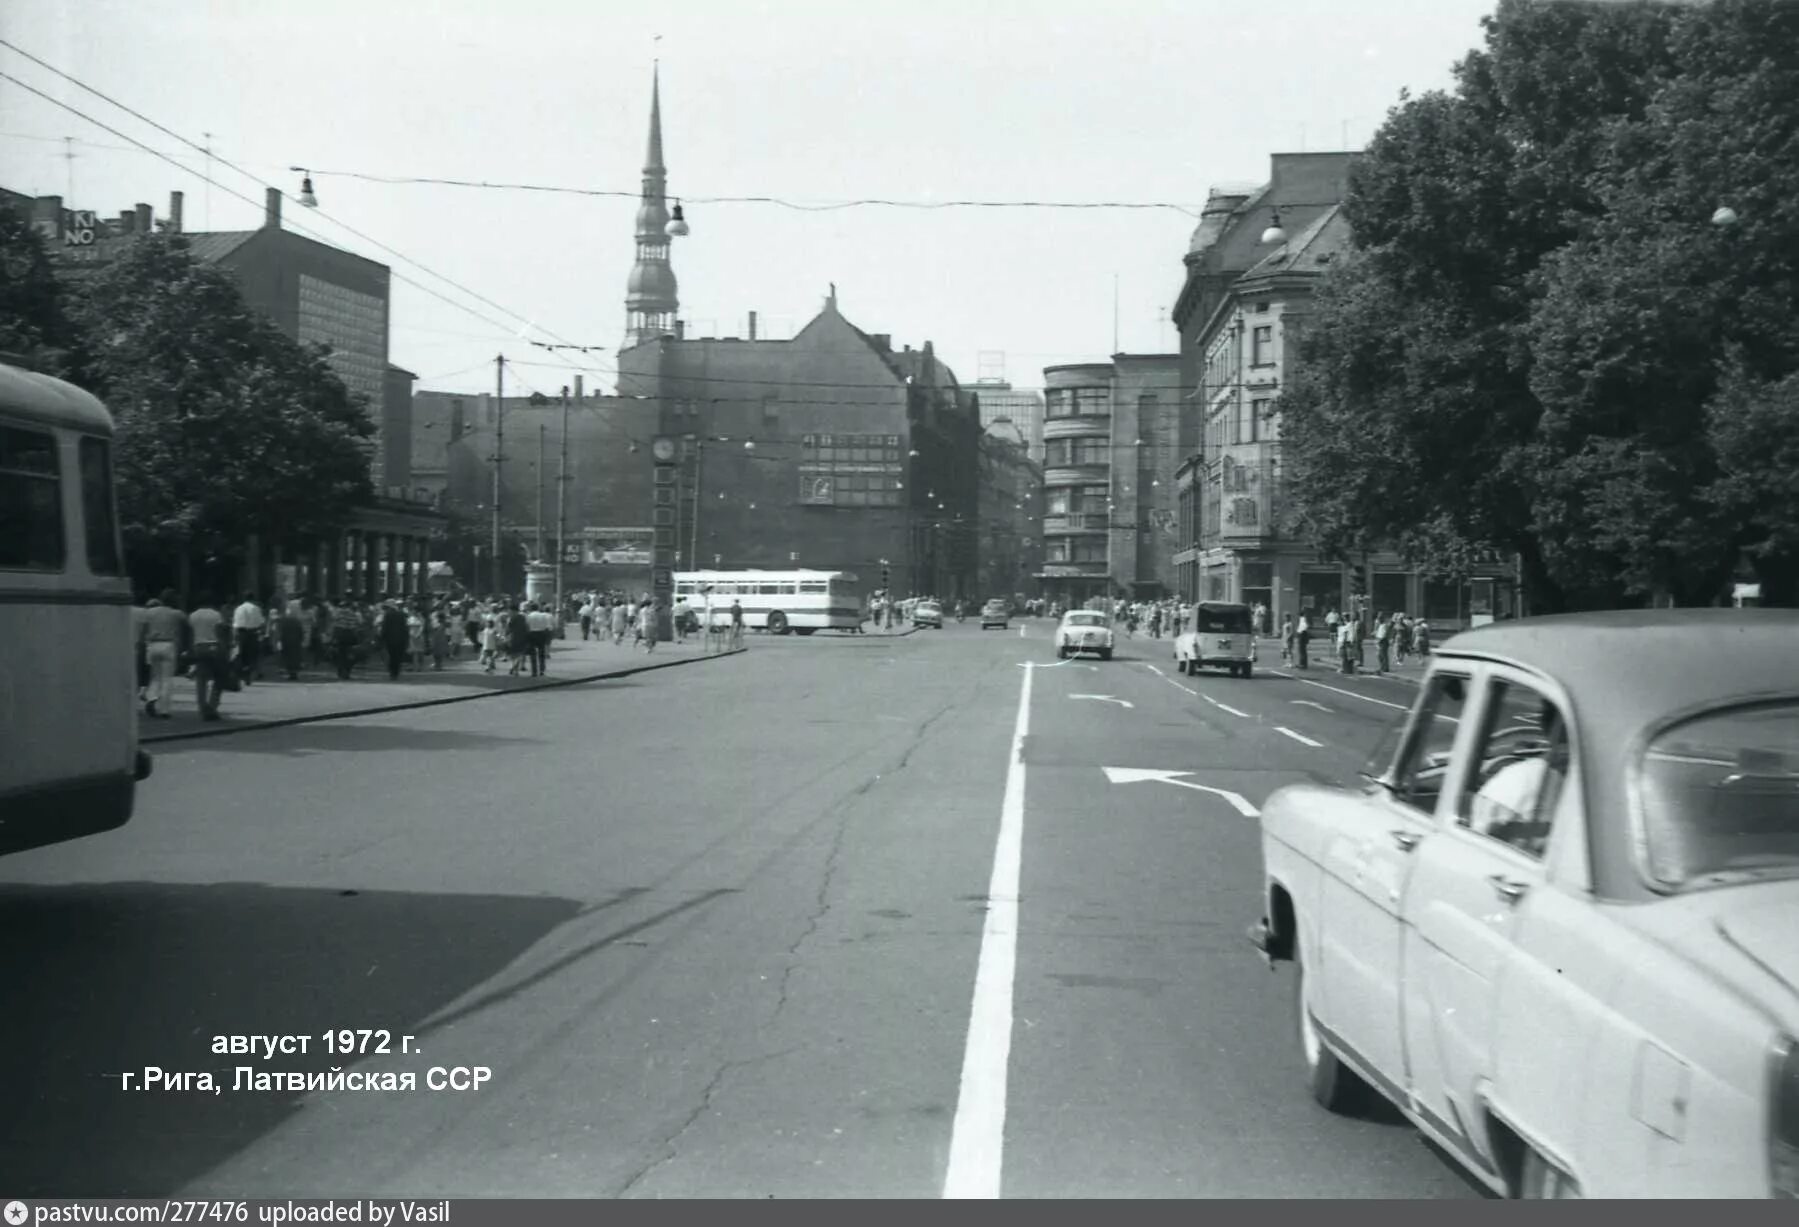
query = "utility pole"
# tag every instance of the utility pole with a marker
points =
(562, 494)
(542, 464)
(499, 445)
(693, 530)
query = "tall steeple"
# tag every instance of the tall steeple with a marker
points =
(650, 298)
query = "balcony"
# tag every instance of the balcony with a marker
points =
(1072, 427)
(1072, 570)
(1079, 522)
(1077, 474)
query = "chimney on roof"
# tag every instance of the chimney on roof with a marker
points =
(175, 212)
(680, 330)
(146, 217)
(271, 218)
(127, 221)
(752, 325)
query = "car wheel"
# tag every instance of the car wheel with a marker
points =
(1249, 671)
(1542, 1179)
(1335, 1086)
(1105, 653)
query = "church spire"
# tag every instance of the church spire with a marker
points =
(650, 295)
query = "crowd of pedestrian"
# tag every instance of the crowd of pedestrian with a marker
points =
(226, 645)
(1344, 637)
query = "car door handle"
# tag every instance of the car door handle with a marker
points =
(1507, 889)
(1406, 840)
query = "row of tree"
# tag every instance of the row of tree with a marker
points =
(1548, 339)
(226, 426)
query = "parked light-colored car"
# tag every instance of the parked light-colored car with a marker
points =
(997, 612)
(1559, 928)
(1085, 630)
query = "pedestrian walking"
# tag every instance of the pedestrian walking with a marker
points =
(1383, 643)
(1302, 638)
(737, 623)
(621, 622)
(247, 626)
(1287, 635)
(518, 637)
(540, 624)
(395, 637)
(163, 629)
(210, 633)
(646, 625)
(291, 636)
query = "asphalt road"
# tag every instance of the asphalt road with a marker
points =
(716, 932)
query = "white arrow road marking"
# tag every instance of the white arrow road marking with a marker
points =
(1309, 703)
(1103, 698)
(1299, 737)
(1133, 775)
(978, 1134)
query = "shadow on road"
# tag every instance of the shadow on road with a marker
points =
(112, 978)
(328, 737)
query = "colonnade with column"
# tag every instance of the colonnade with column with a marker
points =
(361, 564)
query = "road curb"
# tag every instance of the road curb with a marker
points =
(317, 717)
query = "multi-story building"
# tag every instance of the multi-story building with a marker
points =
(1240, 540)
(1001, 402)
(1108, 474)
(831, 450)
(1010, 501)
(316, 294)
(600, 513)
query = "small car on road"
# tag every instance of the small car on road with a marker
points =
(928, 613)
(1223, 635)
(1085, 630)
(997, 612)
(1559, 926)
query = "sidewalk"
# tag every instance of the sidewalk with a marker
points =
(1321, 660)
(320, 695)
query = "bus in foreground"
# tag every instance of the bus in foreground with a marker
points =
(779, 602)
(69, 758)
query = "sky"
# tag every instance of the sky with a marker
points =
(812, 102)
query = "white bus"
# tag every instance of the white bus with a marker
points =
(778, 602)
(69, 758)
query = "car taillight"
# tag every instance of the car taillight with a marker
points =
(1783, 1123)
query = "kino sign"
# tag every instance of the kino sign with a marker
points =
(82, 229)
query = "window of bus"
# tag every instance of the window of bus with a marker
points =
(98, 515)
(31, 525)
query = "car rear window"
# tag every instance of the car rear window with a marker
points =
(1086, 619)
(1221, 621)
(1719, 796)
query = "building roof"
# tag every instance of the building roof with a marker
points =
(212, 246)
(1311, 250)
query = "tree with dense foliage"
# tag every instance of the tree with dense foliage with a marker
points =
(1542, 343)
(227, 427)
(34, 321)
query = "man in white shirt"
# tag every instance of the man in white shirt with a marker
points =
(540, 623)
(247, 625)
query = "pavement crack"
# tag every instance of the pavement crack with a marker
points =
(822, 902)
(670, 1145)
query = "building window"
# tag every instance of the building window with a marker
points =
(1093, 402)
(1262, 345)
(1056, 549)
(1258, 414)
(1058, 502)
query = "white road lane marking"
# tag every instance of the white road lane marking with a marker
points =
(1309, 703)
(977, 1138)
(1134, 775)
(1225, 707)
(1353, 695)
(1299, 737)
